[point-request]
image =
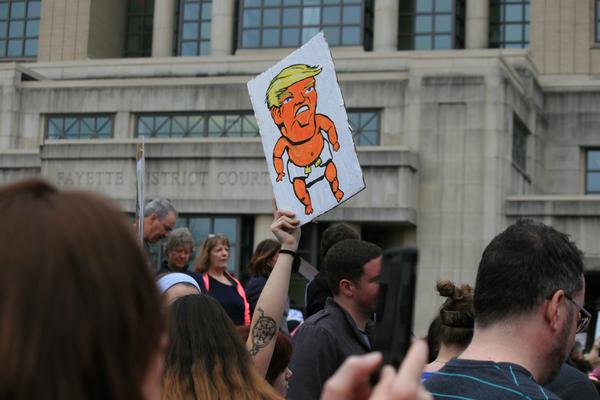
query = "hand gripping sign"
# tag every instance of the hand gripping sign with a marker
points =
(305, 133)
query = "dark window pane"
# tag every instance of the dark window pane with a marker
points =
(15, 48)
(191, 11)
(251, 3)
(444, 5)
(593, 182)
(593, 160)
(424, 5)
(443, 23)
(423, 23)
(331, 15)
(351, 15)
(33, 9)
(189, 48)
(332, 2)
(406, 25)
(33, 28)
(351, 35)
(270, 37)
(272, 2)
(204, 48)
(423, 43)
(16, 29)
(4, 11)
(3, 26)
(206, 11)
(311, 15)
(514, 33)
(17, 10)
(228, 227)
(31, 47)
(271, 17)
(189, 30)
(205, 30)
(290, 37)
(291, 16)
(291, 2)
(250, 38)
(251, 18)
(513, 13)
(443, 42)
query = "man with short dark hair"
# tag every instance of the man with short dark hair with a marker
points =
(528, 306)
(317, 291)
(342, 328)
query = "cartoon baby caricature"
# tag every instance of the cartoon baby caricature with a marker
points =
(307, 136)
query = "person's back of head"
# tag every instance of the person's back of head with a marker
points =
(521, 267)
(456, 314)
(206, 358)
(79, 312)
(261, 263)
(345, 260)
(332, 235)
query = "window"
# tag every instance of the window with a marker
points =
(197, 125)
(19, 28)
(195, 27)
(519, 148)
(597, 20)
(431, 24)
(365, 127)
(592, 171)
(140, 14)
(509, 23)
(79, 127)
(289, 23)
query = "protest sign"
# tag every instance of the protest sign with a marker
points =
(305, 132)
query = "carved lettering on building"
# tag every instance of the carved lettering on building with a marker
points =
(89, 178)
(243, 178)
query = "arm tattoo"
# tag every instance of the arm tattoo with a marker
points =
(263, 332)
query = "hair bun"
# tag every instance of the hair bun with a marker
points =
(457, 310)
(446, 288)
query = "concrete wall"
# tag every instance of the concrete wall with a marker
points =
(562, 37)
(64, 29)
(107, 32)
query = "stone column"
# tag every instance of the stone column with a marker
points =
(385, 35)
(478, 22)
(222, 27)
(163, 28)
(262, 227)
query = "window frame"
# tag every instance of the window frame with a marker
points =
(502, 23)
(457, 31)
(24, 38)
(180, 22)
(357, 133)
(49, 117)
(520, 131)
(365, 25)
(587, 170)
(206, 120)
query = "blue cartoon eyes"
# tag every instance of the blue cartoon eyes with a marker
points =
(310, 89)
(287, 100)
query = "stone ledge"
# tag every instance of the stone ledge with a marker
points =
(552, 206)
(380, 156)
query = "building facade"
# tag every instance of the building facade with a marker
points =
(467, 115)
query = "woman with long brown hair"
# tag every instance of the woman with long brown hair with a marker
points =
(79, 311)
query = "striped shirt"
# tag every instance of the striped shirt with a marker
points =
(485, 380)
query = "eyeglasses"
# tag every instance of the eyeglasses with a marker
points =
(584, 317)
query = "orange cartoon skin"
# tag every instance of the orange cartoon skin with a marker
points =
(301, 137)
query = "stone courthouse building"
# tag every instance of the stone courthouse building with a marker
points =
(466, 114)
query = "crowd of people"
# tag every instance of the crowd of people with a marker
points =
(84, 314)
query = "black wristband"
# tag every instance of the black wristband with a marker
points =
(296, 262)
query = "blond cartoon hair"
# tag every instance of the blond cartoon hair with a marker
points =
(286, 78)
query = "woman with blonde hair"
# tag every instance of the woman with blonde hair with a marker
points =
(218, 282)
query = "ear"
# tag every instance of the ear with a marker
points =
(553, 312)
(346, 287)
(276, 115)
